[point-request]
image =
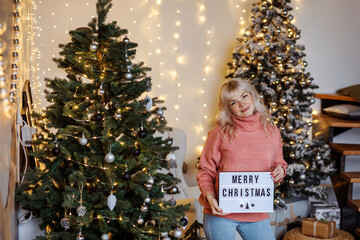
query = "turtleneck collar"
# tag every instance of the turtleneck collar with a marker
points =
(248, 124)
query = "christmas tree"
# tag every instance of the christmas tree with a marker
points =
(268, 56)
(98, 152)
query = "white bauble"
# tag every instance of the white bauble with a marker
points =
(109, 157)
(111, 201)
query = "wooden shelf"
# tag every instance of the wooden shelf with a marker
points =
(355, 204)
(346, 149)
(338, 122)
(334, 96)
(351, 177)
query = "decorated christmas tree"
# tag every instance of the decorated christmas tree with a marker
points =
(268, 56)
(102, 158)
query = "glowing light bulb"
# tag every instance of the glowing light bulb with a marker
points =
(176, 35)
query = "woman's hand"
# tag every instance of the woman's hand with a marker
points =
(214, 204)
(278, 173)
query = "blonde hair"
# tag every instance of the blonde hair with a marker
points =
(225, 116)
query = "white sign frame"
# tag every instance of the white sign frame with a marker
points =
(246, 192)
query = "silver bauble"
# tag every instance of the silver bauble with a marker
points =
(289, 127)
(126, 40)
(148, 89)
(172, 163)
(172, 202)
(93, 46)
(302, 176)
(144, 208)
(81, 211)
(148, 186)
(109, 157)
(283, 100)
(80, 236)
(83, 141)
(117, 115)
(164, 234)
(147, 199)
(166, 238)
(174, 190)
(296, 102)
(312, 100)
(105, 237)
(159, 112)
(65, 223)
(150, 180)
(140, 220)
(318, 157)
(101, 91)
(128, 75)
(177, 233)
(290, 17)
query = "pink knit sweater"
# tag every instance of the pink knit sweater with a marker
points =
(250, 150)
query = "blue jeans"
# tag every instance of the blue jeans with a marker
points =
(218, 228)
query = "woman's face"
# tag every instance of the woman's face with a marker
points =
(242, 104)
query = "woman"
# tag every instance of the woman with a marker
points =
(243, 141)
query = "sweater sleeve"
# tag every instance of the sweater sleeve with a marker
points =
(279, 159)
(209, 163)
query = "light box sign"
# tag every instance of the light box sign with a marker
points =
(246, 192)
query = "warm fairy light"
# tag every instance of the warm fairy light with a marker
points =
(158, 2)
(202, 19)
(180, 59)
(176, 35)
(158, 51)
(204, 138)
(177, 107)
(178, 23)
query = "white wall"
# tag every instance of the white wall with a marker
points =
(332, 49)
